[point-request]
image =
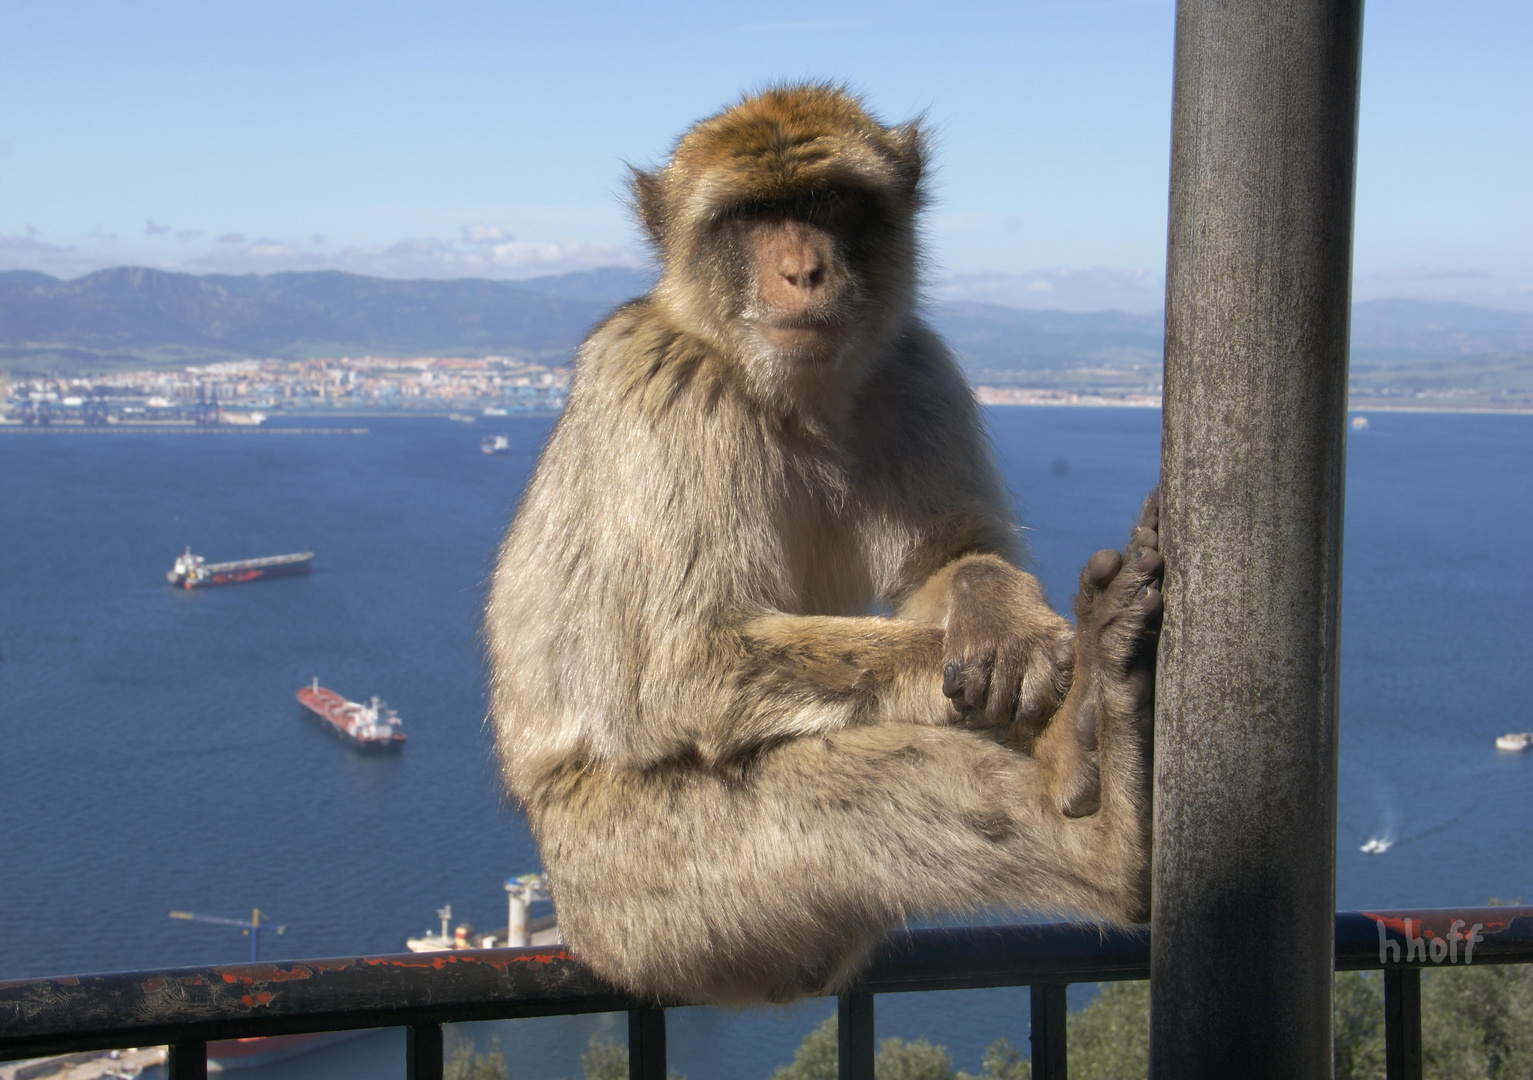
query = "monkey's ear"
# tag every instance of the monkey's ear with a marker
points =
(908, 143)
(648, 201)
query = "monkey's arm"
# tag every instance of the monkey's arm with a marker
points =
(813, 674)
(977, 644)
(1007, 655)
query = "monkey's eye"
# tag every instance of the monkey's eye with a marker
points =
(756, 208)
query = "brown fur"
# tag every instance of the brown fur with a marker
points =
(738, 778)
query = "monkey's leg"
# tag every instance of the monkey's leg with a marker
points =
(1117, 613)
(776, 882)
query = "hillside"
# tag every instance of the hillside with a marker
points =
(132, 317)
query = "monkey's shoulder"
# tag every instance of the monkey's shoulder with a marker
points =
(916, 390)
(639, 360)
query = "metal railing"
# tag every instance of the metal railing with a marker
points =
(186, 1008)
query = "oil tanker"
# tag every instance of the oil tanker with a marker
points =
(374, 726)
(194, 572)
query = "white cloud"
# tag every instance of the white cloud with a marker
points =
(1101, 289)
(1061, 289)
(485, 251)
(1455, 284)
(29, 251)
(488, 252)
(480, 233)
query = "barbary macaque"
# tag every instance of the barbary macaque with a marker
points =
(739, 774)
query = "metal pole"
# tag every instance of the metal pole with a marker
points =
(1257, 300)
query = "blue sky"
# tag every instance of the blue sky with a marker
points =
(468, 138)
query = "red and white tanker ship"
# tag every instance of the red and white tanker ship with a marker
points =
(373, 726)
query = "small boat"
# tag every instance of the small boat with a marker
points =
(496, 410)
(1514, 741)
(373, 726)
(1359, 423)
(495, 444)
(521, 929)
(1375, 846)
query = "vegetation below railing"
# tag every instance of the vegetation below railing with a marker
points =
(1477, 1024)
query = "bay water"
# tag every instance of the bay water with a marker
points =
(153, 757)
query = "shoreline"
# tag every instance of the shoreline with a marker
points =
(1012, 397)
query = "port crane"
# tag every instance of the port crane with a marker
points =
(253, 926)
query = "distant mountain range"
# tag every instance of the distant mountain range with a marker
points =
(134, 317)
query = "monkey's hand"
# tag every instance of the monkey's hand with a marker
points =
(1007, 656)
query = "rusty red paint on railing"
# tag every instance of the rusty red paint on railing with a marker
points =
(39, 1016)
(85, 1012)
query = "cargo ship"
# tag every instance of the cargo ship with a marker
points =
(194, 572)
(373, 726)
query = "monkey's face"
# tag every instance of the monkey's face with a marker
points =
(786, 225)
(803, 288)
(799, 296)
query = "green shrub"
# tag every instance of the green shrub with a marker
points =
(465, 1063)
(604, 1060)
(817, 1057)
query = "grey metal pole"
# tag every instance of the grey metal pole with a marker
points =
(1257, 301)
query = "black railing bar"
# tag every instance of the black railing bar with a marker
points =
(1434, 938)
(646, 1043)
(46, 1016)
(186, 1061)
(1402, 1024)
(854, 1037)
(977, 957)
(1046, 1032)
(115, 1038)
(423, 1052)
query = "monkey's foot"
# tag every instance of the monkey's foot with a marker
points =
(1117, 620)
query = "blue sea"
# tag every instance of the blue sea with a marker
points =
(153, 758)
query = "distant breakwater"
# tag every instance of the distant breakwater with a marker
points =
(171, 429)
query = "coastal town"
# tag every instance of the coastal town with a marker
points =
(241, 391)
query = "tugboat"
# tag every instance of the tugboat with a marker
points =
(373, 726)
(194, 572)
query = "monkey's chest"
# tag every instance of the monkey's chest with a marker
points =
(827, 563)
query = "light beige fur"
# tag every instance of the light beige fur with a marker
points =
(738, 777)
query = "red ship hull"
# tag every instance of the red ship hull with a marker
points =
(338, 716)
(235, 577)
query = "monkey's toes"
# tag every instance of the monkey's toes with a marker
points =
(1101, 568)
(1149, 513)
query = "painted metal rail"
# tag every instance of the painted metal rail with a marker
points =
(188, 1007)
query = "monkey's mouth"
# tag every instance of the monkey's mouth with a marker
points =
(804, 333)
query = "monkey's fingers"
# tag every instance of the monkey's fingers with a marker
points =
(966, 679)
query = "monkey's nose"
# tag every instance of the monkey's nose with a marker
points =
(807, 274)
